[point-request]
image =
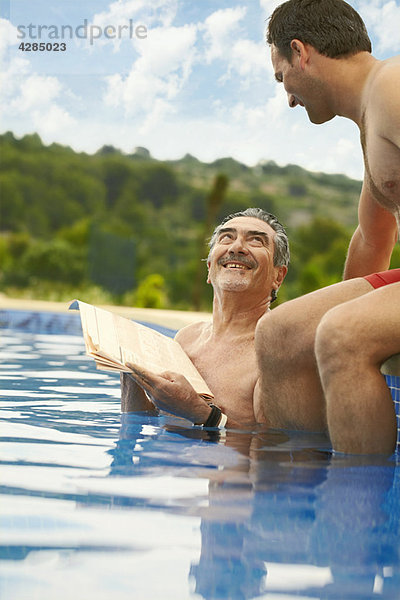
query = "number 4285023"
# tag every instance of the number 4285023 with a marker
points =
(42, 47)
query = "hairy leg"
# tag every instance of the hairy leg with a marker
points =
(289, 389)
(352, 342)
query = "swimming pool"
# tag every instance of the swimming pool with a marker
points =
(95, 504)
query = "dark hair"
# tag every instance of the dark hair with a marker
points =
(332, 27)
(281, 241)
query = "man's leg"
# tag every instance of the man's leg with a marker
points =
(289, 388)
(352, 341)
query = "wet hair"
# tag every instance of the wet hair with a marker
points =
(281, 241)
(332, 27)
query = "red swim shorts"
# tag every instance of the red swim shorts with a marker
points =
(383, 278)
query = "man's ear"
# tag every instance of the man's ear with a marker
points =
(300, 51)
(280, 276)
(208, 272)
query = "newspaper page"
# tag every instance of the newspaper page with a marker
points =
(113, 341)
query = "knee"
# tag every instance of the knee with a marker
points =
(336, 341)
(281, 339)
(271, 333)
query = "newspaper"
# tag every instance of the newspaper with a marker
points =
(113, 341)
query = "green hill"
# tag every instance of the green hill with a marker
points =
(130, 228)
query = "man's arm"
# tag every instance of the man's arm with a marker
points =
(173, 393)
(372, 244)
(133, 397)
(374, 239)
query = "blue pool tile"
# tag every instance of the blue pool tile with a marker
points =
(393, 382)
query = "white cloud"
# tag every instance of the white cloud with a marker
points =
(161, 109)
(219, 29)
(223, 41)
(168, 49)
(118, 12)
(8, 37)
(277, 105)
(135, 93)
(10, 78)
(250, 60)
(268, 6)
(10, 62)
(36, 91)
(162, 12)
(141, 104)
(55, 122)
(38, 97)
(157, 76)
(166, 11)
(26, 93)
(383, 21)
(261, 131)
(121, 12)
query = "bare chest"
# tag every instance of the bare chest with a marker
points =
(382, 166)
(231, 373)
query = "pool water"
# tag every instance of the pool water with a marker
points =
(95, 504)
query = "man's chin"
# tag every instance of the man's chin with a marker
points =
(233, 284)
(319, 119)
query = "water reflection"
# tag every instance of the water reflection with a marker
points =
(285, 500)
(253, 513)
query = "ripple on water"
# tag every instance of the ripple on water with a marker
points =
(82, 485)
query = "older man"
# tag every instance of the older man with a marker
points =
(247, 263)
(321, 52)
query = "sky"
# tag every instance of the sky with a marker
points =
(174, 76)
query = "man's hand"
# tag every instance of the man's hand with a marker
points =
(173, 393)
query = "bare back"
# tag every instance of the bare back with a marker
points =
(228, 365)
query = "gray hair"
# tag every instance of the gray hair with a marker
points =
(281, 241)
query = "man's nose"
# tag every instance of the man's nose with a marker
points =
(238, 246)
(292, 100)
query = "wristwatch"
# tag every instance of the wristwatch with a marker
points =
(216, 418)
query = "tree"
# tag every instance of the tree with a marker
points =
(213, 204)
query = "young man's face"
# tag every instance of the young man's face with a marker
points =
(302, 86)
(242, 258)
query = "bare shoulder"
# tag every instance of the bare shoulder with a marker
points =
(387, 70)
(187, 335)
(385, 97)
(386, 81)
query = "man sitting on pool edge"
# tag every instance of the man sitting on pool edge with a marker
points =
(247, 263)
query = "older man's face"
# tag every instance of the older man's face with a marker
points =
(242, 258)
